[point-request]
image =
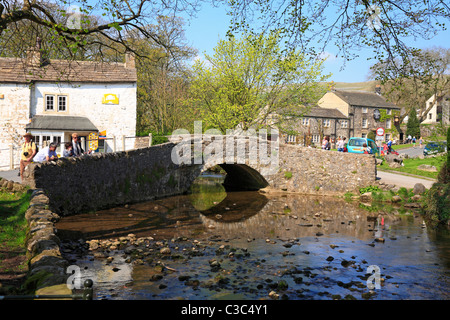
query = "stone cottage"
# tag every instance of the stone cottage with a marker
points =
(366, 111)
(440, 109)
(315, 123)
(54, 98)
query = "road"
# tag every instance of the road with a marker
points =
(11, 175)
(412, 152)
(402, 180)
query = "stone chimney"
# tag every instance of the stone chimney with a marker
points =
(35, 57)
(378, 89)
(130, 60)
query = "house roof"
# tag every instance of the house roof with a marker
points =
(66, 123)
(364, 99)
(16, 70)
(318, 112)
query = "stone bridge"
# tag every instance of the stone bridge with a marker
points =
(105, 180)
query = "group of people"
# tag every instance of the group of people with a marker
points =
(340, 144)
(413, 140)
(31, 154)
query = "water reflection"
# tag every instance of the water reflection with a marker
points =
(210, 210)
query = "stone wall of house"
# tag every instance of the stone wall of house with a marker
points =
(100, 181)
(332, 101)
(14, 115)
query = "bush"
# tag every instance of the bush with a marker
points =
(438, 203)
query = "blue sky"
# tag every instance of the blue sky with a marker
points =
(211, 24)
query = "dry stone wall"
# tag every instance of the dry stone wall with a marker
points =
(75, 185)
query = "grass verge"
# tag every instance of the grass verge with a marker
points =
(13, 230)
(410, 166)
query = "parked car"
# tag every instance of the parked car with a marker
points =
(435, 147)
(355, 145)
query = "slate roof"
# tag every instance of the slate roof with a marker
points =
(16, 70)
(364, 99)
(316, 112)
(66, 123)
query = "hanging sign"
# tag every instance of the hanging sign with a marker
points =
(93, 141)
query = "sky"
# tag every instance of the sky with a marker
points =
(211, 24)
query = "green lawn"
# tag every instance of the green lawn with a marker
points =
(410, 166)
(403, 146)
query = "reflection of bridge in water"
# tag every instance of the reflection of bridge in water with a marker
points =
(289, 217)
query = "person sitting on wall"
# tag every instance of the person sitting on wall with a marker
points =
(68, 150)
(27, 154)
(47, 154)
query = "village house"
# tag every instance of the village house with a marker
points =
(52, 99)
(365, 111)
(315, 123)
(440, 109)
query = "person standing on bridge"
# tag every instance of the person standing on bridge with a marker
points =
(76, 146)
(27, 154)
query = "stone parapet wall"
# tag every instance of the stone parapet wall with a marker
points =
(315, 171)
(99, 181)
(47, 267)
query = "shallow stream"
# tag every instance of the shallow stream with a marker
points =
(210, 244)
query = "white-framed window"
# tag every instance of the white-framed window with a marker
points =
(388, 123)
(326, 123)
(344, 124)
(305, 121)
(364, 123)
(55, 102)
(387, 137)
(388, 112)
(49, 102)
(430, 116)
(364, 110)
(364, 135)
(62, 103)
(316, 138)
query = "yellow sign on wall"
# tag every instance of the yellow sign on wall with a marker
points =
(93, 141)
(110, 98)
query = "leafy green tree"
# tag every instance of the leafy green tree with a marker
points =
(252, 82)
(413, 125)
(162, 79)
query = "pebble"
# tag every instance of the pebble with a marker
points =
(165, 250)
(273, 295)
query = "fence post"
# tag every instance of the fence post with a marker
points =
(114, 143)
(150, 139)
(11, 157)
(123, 143)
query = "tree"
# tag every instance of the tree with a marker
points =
(384, 26)
(162, 79)
(410, 86)
(413, 125)
(71, 26)
(249, 79)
